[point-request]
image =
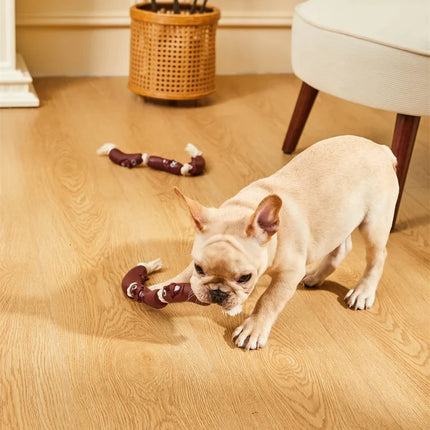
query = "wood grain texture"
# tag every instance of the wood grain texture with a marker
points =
(77, 354)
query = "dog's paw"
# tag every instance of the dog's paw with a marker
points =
(312, 280)
(360, 298)
(251, 334)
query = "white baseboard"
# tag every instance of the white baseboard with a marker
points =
(122, 19)
(16, 88)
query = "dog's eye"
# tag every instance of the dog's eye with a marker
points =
(199, 270)
(244, 278)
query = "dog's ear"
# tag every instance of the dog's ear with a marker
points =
(265, 220)
(197, 210)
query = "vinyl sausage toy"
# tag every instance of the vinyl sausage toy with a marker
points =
(194, 167)
(133, 286)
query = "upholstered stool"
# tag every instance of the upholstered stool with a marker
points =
(372, 52)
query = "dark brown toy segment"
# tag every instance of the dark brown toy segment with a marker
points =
(143, 294)
(198, 166)
(138, 274)
(170, 166)
(135, 280)
(125, 160)
(176, 293)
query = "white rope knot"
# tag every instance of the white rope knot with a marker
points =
(106, 149)
(192, 150)
(152, 266)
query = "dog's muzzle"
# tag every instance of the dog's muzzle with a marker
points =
(218, 296)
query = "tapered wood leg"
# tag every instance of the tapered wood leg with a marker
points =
(301, 112)
(405, 132)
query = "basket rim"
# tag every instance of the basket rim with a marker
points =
(169, 96)
(158, 18)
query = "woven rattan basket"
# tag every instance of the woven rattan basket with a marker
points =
(172, 57)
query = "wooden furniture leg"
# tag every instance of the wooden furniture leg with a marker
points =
(404, 135)
(301, 112)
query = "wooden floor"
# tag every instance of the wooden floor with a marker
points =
(76, 354)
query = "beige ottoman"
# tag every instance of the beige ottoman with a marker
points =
(372, 52)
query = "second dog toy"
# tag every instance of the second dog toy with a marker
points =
(195, 167)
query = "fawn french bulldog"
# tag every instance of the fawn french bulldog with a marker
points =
(303, 213)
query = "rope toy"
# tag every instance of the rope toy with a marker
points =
(133, 286)
(195, 167)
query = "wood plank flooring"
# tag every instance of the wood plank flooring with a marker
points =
(76, 354)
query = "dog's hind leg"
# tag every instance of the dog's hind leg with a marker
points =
(375, 233)
(328, 265)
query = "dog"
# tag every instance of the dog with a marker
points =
(303, 213)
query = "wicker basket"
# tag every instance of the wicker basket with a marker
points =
(172, 57)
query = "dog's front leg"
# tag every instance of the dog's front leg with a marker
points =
(255, 330)
(180, 278)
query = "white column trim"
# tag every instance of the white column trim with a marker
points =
(16, 87)
(7, 35)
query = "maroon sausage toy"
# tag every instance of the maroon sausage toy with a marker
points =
(195, 167)
(133, 285)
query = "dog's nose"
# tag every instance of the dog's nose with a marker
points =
(218, 296)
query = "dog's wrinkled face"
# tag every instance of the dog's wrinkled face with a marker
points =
(225, 270)
(231, 250)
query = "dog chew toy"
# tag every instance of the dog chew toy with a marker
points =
(195, 167)
(133, 285)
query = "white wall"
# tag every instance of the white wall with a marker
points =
(91, 37)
